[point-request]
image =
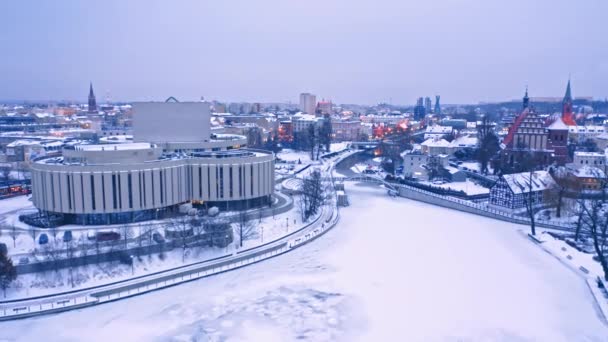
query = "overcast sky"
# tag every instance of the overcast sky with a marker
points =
(271, 50)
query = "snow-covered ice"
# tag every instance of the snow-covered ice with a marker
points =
(392, 270)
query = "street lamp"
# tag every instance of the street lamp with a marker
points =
(132, 266)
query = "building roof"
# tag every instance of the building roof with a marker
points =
(439, 129)
(432, 142)
(589, 154)
(558, 125)
(588, 172)
(520, 182)
(464, 141)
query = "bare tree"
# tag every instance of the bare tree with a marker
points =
(8, 273)
(83, 246)
(5, 172)
(69, 255)
(595, 223)
(33, 231)
(246, 229)
(53, 230)
(182, 230)
(488, 143)
(529, 200)
(564, 184)
(52, 253)
(127, 233)
(14, 235)
(314, 194)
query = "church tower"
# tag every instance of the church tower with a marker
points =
(526, 99)
(92, 102)
(567, 114)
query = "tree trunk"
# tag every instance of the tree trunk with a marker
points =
(600, 254)
(579, 223)
(560, 196)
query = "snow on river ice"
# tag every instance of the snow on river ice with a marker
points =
(392, 270)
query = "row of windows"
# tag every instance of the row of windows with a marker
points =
(125, 185)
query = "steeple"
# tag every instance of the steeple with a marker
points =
(568, 96)
(92, 102)
(567, 114)
(526, 99)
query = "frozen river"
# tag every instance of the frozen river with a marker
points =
(392, 270)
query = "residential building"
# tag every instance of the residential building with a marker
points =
(428, 105)
(589, 178)
(437, 131)
(324, 107)
(436, 146)
(513, 190)
(419, 109)
(345, 130)
(586, 159)
(308, 103)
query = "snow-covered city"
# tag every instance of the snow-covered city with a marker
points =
(288, 171)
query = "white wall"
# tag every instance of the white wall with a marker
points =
(162, 122)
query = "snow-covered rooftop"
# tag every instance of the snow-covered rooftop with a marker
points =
(431, 142)
(526, 181)
(558, 125)
(589, 172)
(464, 141)
(439, 129)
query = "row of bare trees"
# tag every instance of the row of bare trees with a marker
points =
(590, 206)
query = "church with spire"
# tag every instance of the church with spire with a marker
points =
(92, 102)
(530, 133)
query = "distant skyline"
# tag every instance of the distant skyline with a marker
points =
(363, 52)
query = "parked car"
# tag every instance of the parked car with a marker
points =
(107, 236)
(43, 239)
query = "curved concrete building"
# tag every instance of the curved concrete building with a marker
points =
(116, 183)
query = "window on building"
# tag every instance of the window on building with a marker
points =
(130, 188)
(69, 192)
(114, 193)
(93, 204)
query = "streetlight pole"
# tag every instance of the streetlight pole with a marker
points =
(132, 266)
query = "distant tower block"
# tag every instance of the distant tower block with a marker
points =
(437, 105)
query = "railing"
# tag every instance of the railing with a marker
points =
(476, 208)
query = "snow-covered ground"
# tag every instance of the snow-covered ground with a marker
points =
(34, 284)
(392, 270)
(469, 187)
(335, 147)
(15, 203)
(294, 156)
